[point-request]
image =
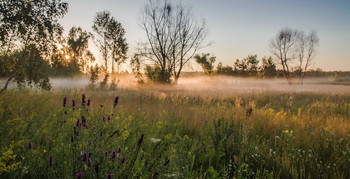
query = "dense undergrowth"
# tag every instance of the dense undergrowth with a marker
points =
(139, 134)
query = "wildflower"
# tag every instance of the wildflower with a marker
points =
(65, 101)
(65, 112)
(114, 155)
(108, 118)
(119, 150)
(109, 176)
(30, 145)
(83, 121)
(73, 104)
(89, 102)
(83, 100)
(154, 140)
(44, 151)
(116, 100)
(78, 124)
(85, 157)
(89, 162)
(79, 175)
(51, 162)
(122, 161)
(103, 119)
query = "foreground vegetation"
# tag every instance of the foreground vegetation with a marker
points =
(140, 134)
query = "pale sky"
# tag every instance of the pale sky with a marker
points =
(239, 28)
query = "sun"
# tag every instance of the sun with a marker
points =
(67, 57)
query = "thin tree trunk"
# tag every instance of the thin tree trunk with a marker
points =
(6, 84)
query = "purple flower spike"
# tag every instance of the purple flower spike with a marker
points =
(114, 155)
(83, 121)
(108, 118)
(83, 99)
(119, 150)
(51, 162)
(30, 145)
(78, 124)
(79, 175)
(89, 102)
(109, 176)
(85, 157)
(65, 99)
(73, 104)
(116, 101)
(123, 160)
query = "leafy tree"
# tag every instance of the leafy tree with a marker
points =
(28, 28)
(240, 66)
(224, 70)
(78, 48)
(206, 62)
(111, 41)
(268, 67)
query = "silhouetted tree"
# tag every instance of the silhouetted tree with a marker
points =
(173, 37)
(289, 45)
(28, 28)
(224, 70)
(268, 67)
(111, 41)
(307, 48)
(78, 48)
(207, 62)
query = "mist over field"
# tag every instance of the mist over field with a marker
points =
(216, 85)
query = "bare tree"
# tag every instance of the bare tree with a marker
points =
(283, 48)
(290, 45)
(307, 49)
(173, 36)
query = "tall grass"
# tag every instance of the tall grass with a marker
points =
(255, 135)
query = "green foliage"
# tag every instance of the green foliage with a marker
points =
(247, 66)
(174, 137)
(104, 82)
(111, 41)
(224, 70)
(268, 67)
(94, 72)
(27, 28)
(157, 74)
(206, 62)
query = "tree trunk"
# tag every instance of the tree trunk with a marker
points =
(6, 84)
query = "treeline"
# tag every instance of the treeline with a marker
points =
(251, 66)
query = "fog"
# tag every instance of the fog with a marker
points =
(215, 85)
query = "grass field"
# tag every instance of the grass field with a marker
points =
(174, 134)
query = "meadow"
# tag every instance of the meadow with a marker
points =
(154, 132)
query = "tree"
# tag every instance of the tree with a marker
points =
(224, 70)
(289, 45)
(173, 37)
(111, 41)
(307, 48)
(28, 28)
(78, 48)
(268, 67)
(206, 62)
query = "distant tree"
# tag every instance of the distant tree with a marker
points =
(110, 40)
(240, 66)
(268, 67)
(28, 28)
(224, 70)
(252, 64)
(173, 37)
(307, 48)
(78, 48)
(289, 45)
(207, 62)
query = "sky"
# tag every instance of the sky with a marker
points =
(238, 28)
